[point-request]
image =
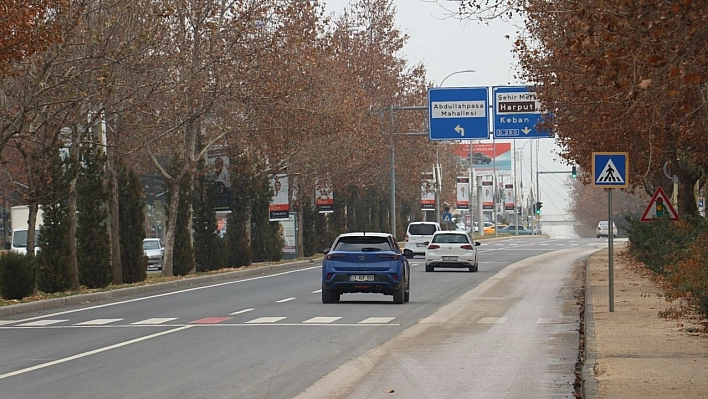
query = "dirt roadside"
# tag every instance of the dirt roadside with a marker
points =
(632, 352)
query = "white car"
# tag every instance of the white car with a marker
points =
(154, 250)
(418, 235)
(603, 229)
(452, 249)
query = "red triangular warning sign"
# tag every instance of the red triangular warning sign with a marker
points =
(659, 207)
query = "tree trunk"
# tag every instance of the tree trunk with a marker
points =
(114, 231)
(167, 269)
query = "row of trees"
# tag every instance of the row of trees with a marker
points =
(150, 87)
(619, 76)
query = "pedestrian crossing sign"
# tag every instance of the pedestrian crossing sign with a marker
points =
(610, 169)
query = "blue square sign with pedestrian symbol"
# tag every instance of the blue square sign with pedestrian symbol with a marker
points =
(610, 169)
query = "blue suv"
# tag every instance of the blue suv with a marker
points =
(365, 262)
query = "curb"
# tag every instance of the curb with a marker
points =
(55, 303)
(589, 380)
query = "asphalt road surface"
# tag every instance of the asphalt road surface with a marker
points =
(507, 331)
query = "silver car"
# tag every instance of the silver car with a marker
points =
(154, 250)
(603, 229)
(452, 249)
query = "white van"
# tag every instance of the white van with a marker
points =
(418, 235)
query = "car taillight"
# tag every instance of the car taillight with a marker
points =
(433, 246)
(333, 256)
(390, 256)
(466, 246)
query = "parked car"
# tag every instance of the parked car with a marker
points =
(603, 229)
(452, 249)
(516, 230)
(418, 235)
(366, 262)
(155, 252)
(481, 158)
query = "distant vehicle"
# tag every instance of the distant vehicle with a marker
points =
(516, 230)
(452, 249)
(155, 252)
(365, 262)
(481, 158)
(603, 229)
(418, 235)
(19, 219)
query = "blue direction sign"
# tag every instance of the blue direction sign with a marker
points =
(458, 113)
(516, 113)
(610, 169)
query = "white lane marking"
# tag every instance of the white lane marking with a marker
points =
(89, 353)
(97, 322)
(241, 311)
(154, 321)
(322, 320)
(376, 320)
(262, 320)
(492, 320)
(39, 323)
(285, 300)
(3, 322)
(168, 294)
(317, 291)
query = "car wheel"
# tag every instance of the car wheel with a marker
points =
(399, 296)
(429, 268)
(329, 296)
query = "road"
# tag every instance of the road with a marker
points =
(271, 337)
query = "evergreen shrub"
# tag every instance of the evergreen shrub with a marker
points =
(17, 275)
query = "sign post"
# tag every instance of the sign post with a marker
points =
(517, 112)
(458, 113)
(610, 171)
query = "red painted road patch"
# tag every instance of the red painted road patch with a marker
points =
(210, 320)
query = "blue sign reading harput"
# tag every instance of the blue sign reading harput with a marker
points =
(458, 113)
(516, 113)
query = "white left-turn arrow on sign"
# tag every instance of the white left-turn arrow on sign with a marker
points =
(460, 130)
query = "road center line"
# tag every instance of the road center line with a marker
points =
(89, 353)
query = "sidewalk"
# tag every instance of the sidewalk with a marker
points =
(632, 352)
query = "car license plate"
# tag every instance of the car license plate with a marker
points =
(360, 277)
(449, 258)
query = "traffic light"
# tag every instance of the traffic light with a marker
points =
(538, 207)
(574, 172)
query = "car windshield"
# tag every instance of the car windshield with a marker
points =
(362, 244)
(151, 245)
(450, 239)
(425, 229)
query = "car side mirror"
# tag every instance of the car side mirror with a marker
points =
(477, 243)
(325, 251)
(407, 253)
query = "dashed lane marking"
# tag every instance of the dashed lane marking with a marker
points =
(41, 323)
(285, 300)
(241, 311)
(492, 320)
(154, 321)
(265, 320)
(98, 322)
(322, 320)
(377, 320)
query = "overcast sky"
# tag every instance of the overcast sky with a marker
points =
(446, 45)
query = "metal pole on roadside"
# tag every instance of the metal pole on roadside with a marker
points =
(480, 221)
(610, 260)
